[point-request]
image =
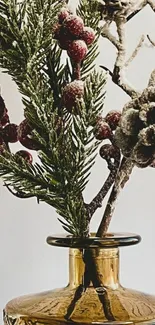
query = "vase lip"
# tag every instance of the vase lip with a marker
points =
(110, 240)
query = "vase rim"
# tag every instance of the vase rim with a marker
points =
(110, 240)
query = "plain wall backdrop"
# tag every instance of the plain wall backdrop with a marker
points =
(27, 263)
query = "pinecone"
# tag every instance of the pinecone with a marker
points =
(115, 8)
(135, 135)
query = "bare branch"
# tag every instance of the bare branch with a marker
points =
(135, 52)
(107, 34)
(121, 179)
(152, 4)
(119, 67)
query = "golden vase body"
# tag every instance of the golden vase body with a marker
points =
(94, 294)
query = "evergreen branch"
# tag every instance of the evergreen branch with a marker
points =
(25, 35)
(88, 11)
(66, 142)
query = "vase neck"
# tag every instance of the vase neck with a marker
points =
(106, 263)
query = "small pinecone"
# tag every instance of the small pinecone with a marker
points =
(24, 136)
(10, 133)
(72, 94)
(77, 50)
(64, 13)
(25, 155)
(102, 130)
(74, 25)
(2, 107)
(88, 35)
(113, 118)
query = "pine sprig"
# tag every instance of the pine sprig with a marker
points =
(65, 142)
(87, 10)
(25, 35)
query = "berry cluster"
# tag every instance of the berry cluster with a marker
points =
(8, 131)
(73, 36)
(104, 129)
(105, 126)
(11, 133)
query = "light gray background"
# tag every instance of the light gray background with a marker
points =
(27, 263)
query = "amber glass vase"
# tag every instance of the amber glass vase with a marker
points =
(94, 294)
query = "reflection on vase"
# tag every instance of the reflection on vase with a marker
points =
(93, 296)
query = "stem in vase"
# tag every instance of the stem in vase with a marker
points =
(121, 179)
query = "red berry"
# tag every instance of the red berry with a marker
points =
(88, 35)
(113, 119)
(10, 133)
(74, 25)
(64, 39)
(2, 146)
(24, 136)
(2, 107)
(77, 50)
(24, 129)
(64, 13)
(108, 151)
(72, 94)
(25, 155)
(5, 118)
(102, 130)
(56, 31)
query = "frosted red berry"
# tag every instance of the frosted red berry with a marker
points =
(25, 155)
(10, 133)
(64, 41)
(102, 130)
(24, 129)
(72, 94)
(5, 118)
(74, 25)
(113, 118)
(88, 35)
(108, 151)
(64, 13)
(77, 50)
(2, 146)
(2, 107)
(24, 136)
(56, 31)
